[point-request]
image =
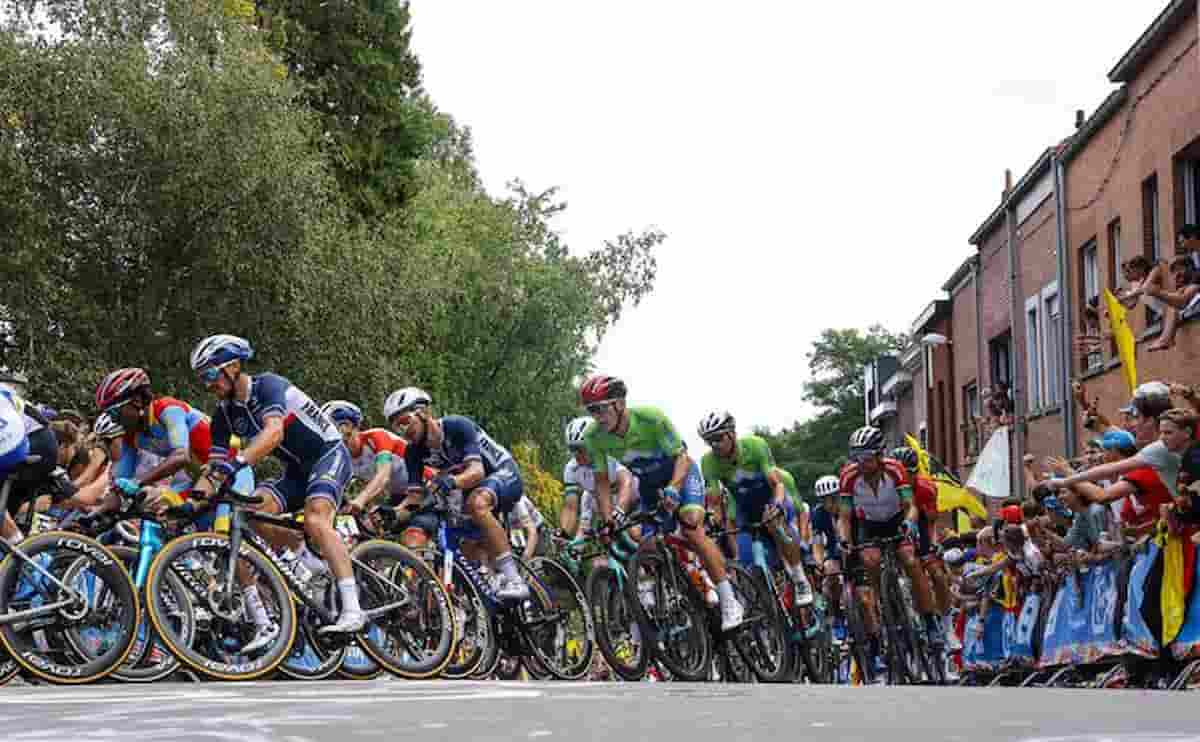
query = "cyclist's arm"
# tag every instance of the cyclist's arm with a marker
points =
(683, 463)
(843, 524)
(778, 490)
(384, 461)
(568, 517)
(531, 538)
(266, 441)
(604, 504)
(625, 493)
(804, 524)
(178, 434)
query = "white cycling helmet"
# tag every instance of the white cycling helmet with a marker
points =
(405, 400)
(108, 427)
(867, 438)
(826, 486)
(715, 423)
(576, 430)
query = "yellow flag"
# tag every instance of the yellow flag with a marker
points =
(1126, 345)
(922, 456)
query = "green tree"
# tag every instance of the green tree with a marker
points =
(815, 447)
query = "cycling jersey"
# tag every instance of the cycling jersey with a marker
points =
(463, 441)
(925, 494)
(825, 532)
(578, 477)
(745, 475)
(14, 441)
(382, 448)
(525, 513)
(24, 432)
(316, 462)
(171, 425)
(307, 432)
(880, 504)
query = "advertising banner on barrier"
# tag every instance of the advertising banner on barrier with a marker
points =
(1187, 643)
(1020, 645)
(1136, 637)
(985, 652)
(1082, 624)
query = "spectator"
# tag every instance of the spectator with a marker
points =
(1141, 274)
(1184, 298)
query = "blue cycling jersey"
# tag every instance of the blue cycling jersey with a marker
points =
(823, 525)
(463, 441)
(307, 432)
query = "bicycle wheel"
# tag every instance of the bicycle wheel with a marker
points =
(814, 656)
(618, 634)
(313, 657)
(101, 618)
(762, 640)
(223, 622)
(149, 659)
(856, 634)
(410, 607)
(901, 644)
(357, 664)
(572, 638)
(674, 615)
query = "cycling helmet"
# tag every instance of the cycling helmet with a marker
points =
(218, 350)
(827, 486)
(601, 388)
(119, 385)
(405, 400)
(906, 456)
(108, 427)
(342, 411)
(575, 431)
(715, 423)
(867, 439)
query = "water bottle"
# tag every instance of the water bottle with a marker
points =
(221, 520)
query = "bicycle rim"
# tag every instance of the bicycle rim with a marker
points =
(416, 638)
(79, 643)
(762, 640)
(150, 660)
(618, 634)
(677, 618)
(311, 658)
(223, 626)
(569, 639)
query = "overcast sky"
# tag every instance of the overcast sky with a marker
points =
(812, 167)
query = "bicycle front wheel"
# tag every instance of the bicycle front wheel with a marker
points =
(569, 633)
(223, 621)
(762, 640)
(618, 633)
(673, 613)
(409, 607)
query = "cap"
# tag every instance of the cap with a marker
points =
(1115, 440)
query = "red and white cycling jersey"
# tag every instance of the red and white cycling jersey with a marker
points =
(870, 504)
(382, 448)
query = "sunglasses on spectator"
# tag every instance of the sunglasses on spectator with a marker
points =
(599, 408)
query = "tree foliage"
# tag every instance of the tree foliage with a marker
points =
(160, 180)
(816, 447)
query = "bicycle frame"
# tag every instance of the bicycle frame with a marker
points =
(7, 549)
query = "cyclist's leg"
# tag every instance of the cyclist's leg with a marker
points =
(322, 496)
(787, 543)
(689, 513)
(922, 594)
(494, 496)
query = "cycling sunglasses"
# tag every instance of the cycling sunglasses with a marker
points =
(210, 374)
(599, 408)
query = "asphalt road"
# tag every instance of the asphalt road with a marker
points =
(340, 711)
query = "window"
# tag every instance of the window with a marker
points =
(1000, 355)
(1052, 345)
(1089, 289)
(1033, 353)
(970, 428)
(1116, 277)
(1151, 247)
(923, 436)
(1191, 191)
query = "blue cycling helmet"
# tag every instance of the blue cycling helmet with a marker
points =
(342, 411)
(218, 350)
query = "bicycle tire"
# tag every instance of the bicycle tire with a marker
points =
(310, 658)
(357, 664)
(431, 607)
(628, 658)
(568, 597)
(762, 640)
(144, 665)
(856, 634)
(272, 589)
(477, 630)
(815, 656)
(901, 652)
(684, 644)
(63, 551)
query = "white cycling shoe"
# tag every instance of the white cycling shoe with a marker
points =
(263, 635)
(350, 622)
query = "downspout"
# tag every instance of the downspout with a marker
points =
(981, 362)
(1016, 432)
(1064, 296)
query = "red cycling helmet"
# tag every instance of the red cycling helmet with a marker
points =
(119, 385)
(601, 388)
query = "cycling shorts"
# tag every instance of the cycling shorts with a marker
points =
(325, 479)
(871, 530)
(691, 498)
(30, 480)
(745, 540)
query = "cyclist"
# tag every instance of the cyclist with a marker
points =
(526, 523)
(25, 433)
(877, 503)
(579, 494)
(172, 434)
(645, 440)
(466, 459)
(275, 418)
(825, 542)
(925, 498)
(377, 455)
(760, 495)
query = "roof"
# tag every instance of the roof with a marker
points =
(1040, 167)
(935, 309)
(1172, 17)
(959, 274)
(1106, 111)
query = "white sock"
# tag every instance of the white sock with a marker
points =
(348, 591)
(507, 566)
(725, 592)
(315, 564)
(796, 572)
(254, 605)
